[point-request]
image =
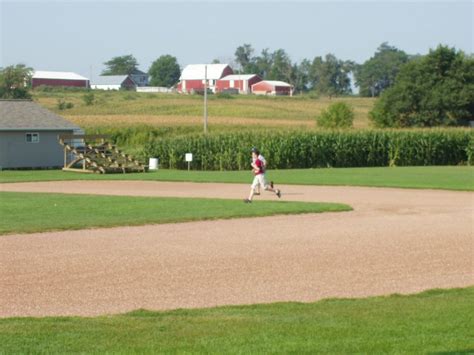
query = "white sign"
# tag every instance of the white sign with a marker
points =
(189, 157)
(153, 164)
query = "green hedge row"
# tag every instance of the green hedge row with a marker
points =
(317, 149)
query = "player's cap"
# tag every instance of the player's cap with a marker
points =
(254, 150)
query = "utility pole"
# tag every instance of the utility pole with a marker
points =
(205, 99)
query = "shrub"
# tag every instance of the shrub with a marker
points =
(89, 98)
(63, 105)
(337, 115)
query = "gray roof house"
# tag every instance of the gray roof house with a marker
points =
(113, 82)
(140, 78)
(29, 135)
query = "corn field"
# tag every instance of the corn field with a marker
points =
(297, 149)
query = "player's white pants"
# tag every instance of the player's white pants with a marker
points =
(259, 180)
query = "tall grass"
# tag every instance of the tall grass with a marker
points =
(298, 149)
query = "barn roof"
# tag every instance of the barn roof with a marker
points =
(239, 77)
(110, 80)
(61, 75)
(273, 83)
(196, 71)
(27, 115)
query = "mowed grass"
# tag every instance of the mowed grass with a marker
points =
(171, 109)
(436, 321)
(38, 212)
(430, 177)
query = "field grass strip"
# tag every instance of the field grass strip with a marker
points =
(40, 212)
(432, 177)
(435, 321)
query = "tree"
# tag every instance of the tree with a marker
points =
(263, 63)
(281, 68)
(379, 72)
(14, 82)
(436, 89)
(123, 65)
(164, 71)
(330, 76)
(337, 115)
(243, 57)
(301, 74)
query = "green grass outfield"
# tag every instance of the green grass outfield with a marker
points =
(436, 321)
(38, 212)
(431, 177)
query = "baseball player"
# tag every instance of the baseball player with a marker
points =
(264, 161)
(259, 178)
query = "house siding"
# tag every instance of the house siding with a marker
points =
(15, 152)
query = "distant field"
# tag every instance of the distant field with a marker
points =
(129, 108)
(434, 322)
(422, 177)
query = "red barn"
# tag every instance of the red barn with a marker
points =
(192, 77)
(270, 87)
(58, 78)
(241, 82)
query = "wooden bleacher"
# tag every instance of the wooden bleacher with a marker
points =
(94, 154)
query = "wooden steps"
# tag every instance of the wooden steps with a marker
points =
(93, 154)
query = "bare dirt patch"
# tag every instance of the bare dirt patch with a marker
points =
(395, 240)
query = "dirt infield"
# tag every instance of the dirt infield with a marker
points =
(395, 241)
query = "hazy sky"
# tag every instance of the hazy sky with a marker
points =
(80, 35)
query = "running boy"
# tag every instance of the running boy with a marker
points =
(259, 179)
(264, 162)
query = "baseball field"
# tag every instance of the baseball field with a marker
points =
(348, 260)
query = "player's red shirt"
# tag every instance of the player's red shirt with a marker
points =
(258, 163)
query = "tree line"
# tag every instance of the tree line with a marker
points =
(326, 75)
(413, 90)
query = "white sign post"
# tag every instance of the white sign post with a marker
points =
(189, 158)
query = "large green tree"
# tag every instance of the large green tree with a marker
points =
(301, 73)
(122, 65)
(330, 76)
(14, 82)
(281, 68)
(164, 71)
(432, 90)
(244, 57)
(379, 72)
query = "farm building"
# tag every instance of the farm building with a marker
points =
(58, 78)
(270, 87)
(192, 77)
(29, 135)
(139, 78)
(113, 82)
(243, 83)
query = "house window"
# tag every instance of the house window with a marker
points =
(32, 138)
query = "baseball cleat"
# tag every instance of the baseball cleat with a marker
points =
(247, 201)
(278, 193)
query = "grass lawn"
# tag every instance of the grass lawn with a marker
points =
(436, 321)
(38, 212)
(430, 177)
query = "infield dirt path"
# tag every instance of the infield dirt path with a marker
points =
(395, 241)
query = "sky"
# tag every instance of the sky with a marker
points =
(80, 35)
